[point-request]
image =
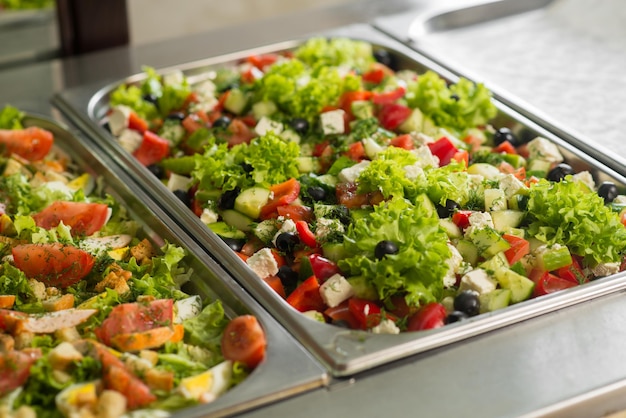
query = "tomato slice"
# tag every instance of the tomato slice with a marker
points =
(84, 218)
(323, 268)
(347, 195)
(137, 123)
(392, 115)
(153, 149)
(429, 316)
(55, 264)
(403, 141)
(295, 212)
(14, 370)
(461, 218)
(275, 283)
(356, 151)
(367, 313)
(31, 143)
(443, 149)
(135, 317)
(549, 283)
(346, 99)
(263, 60)
(244, 341)
(306, 297)
(388, 97)
(342, 312)
(306, 236)
(573, 273)
(519, 248)
(505, 148)
(284, 194)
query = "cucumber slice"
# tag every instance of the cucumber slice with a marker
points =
(334, 251)
(495, 200)
(308, 164)
(362, 109)
(494, 300)
(362, 288)
(227, 231)
(504, 220)
(521, 287)
(414, 123)
(468, 251)
(250, 201)
(488, 241)
(237, 220)
(451, 228)
(236, 101)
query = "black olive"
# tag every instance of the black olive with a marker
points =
(385, 247)
(229, 87)
(288, 277)
(183, 196)
(505, 134)
(287, 241)
(300, 125)
(317, 193)
(384, 57)
(151, 98)
(227, 199)
(608, 191)
(559, 172)
(106, 126)
(456, 316)
(467, 302)
(234, 243)
(447, 210)
(342, 323)
(222, 122)
(179, 116)
(343, 214)
(157, 170)
(247, 167)
(455, 97)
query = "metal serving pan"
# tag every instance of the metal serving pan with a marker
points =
(268, 382)
(558, 62)
(343, 352)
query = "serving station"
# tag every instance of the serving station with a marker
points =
(565, 358)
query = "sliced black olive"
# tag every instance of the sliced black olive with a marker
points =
(222, 122)
(157, 170)
(179, 116)
(455, 97)
(608, 191)
(505, 134)
(227, 199)
(317, 193)
(467, 302)
(151, 98)
(456, 316)
(288, 277)
(183, 196)
(106, 126)
(559, 172)
(247, 167)
(447, 210)
(300, 125)
(287, 241)
(234, 243)
(384, 248)
(384, 57)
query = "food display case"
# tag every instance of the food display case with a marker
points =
(558, 355)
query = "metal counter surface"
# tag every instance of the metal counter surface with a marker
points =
(546, 366)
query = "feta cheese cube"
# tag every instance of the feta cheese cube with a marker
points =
(351, 174)
(335, 290)
(265, 124)
(479, 220)
(287, 226)
(333, 122)
(455, 261)
(118, 119)
(545, 150)
(511, 185)
(178, 182)
(414, 171)
(326, 226)
(209, 216)
(425, 158)
(479, 281)
(420, 138)
(386, 326)
(173, 78)
(263, 263)
(586, 178)
(605, 269)
(130, 140)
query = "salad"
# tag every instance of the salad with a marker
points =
(93, 318)
(370, 196)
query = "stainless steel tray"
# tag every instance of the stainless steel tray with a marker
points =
(268, 382)
(558, 62)
(343, 352)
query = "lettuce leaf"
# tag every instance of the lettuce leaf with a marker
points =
(417, 270)
(11, 118)
(205, 330)
(386, 174)
(324, 52)
(568, 213)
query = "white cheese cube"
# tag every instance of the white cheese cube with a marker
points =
(209, 216)
(130, 140)
(545, 150)
(479, 281)
(425, 158)
(511, 185)
(326, 226)
(386, 326)
(455, 261)
(620, 199)
(265, 124)
(420, 138)
(178, 182)
(118, 119)
(187, 308)
(351, 174)
(263, 263)
(335, 290)
(586, 178)
(605, 269)
(413, 172)
(333, 122)
(173, 78)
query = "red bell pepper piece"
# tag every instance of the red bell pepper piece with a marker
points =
(306, 236)
(295, 212)
(263, 60)
(356, 151)
(346, 99)
(505, 148)
(283, 194)
(153, 149)
(392, 115)
(342, 312)
(461, 218)
(549, 283)
(275, 283)
(306, 297)
(443, 149)
(403, 141)
(137, 123)
(388, 97)
(519, 248)
(323, 268)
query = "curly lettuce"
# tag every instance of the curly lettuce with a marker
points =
(450, 182)
(324, 52)
(11, 118)
(387, 174)
(568, 213)
(417, 270)
(458, 107)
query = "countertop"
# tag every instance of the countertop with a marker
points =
(568, 363)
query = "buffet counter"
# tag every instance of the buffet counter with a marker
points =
(569, 362)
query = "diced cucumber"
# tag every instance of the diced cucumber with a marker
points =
(362, 288)
(414, 123)
(265, 230)
(264, 108)
(308, 164)
(236, 101)
(428, 127)
(538, 168)
(204, 195)
(521, 287)
(290, 135)
(362, 109)
(424, 201)
(503, 220)
(227, 231)
(372, 148)
(328, 179)
(315, 315)
(250, 201)
(495, 199)
(468, 251)
(494, 300)
(180, 165)
(497, 262)
(554, 258)
(334, 251)
(518, 202)
(488, 171)
(451, 228)
(515, 160)
(488, 241)
(237, 220)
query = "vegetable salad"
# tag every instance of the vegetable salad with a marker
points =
(370, 196)
(93, 321)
